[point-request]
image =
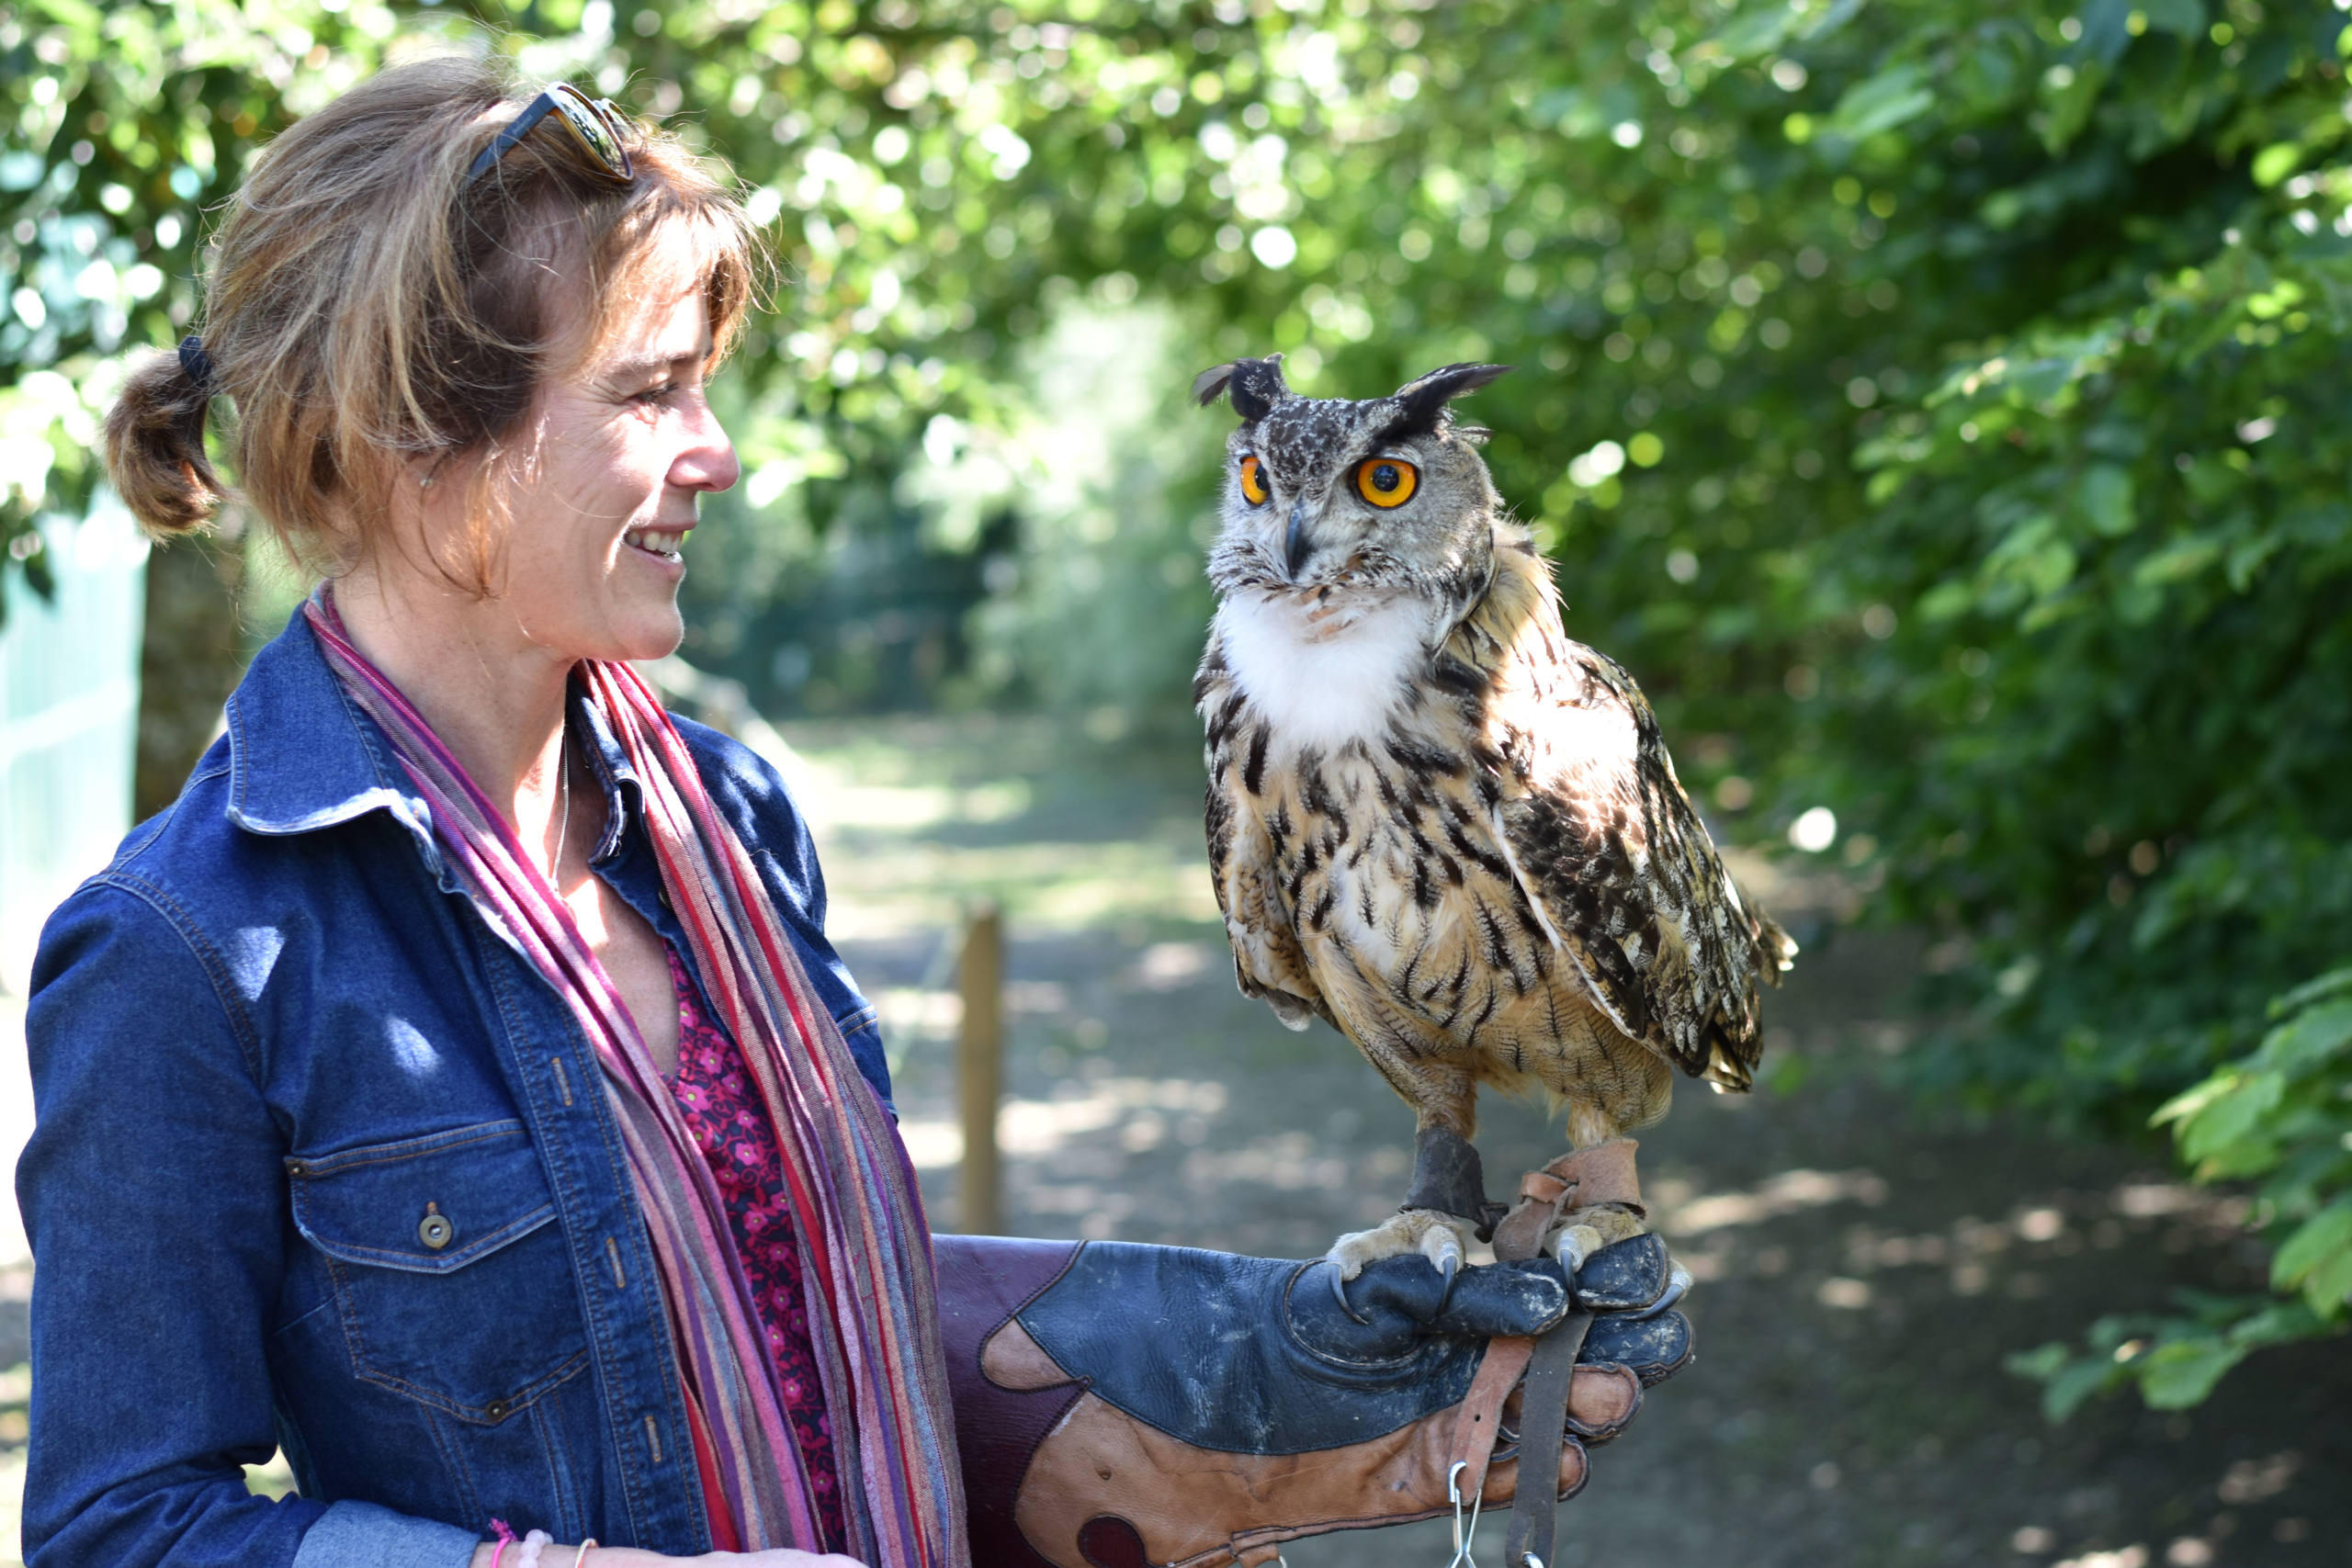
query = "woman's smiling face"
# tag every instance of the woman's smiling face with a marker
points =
(625, 445)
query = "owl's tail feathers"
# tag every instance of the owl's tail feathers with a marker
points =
(1295, 1013)
(1775, 946)
(1731, 1050)
(1731, 1038)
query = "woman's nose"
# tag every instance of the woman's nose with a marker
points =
(708, 461)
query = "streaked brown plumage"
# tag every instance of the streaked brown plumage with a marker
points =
(1433, 820)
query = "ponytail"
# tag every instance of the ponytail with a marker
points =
(155, 444)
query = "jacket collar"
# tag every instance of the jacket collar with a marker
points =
(303, 757)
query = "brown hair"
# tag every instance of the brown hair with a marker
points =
(366, 308)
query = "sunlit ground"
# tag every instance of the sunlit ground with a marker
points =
(1862, 1271)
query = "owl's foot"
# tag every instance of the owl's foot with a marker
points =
(1441, 1238)
(1582, 1231)
(1443, 1212)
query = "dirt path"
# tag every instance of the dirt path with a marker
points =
(1864, 1269)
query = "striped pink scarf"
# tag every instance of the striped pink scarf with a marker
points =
(871, 1314)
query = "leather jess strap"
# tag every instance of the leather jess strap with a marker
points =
(1604, 1174)
(1481, 1418)
(1549, 1364)
(1543, 1428)
(1521, 1233)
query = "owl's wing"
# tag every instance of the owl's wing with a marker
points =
(1614, 860)
(1268, 961)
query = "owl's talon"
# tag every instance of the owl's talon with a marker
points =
(1677, 1284)
(1443, 1249)
(1583, 1231)
(1340, 1295)
(1572, 1244)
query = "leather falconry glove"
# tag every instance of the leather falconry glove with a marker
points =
(1127, 1407)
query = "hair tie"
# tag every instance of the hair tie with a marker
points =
(197, 365)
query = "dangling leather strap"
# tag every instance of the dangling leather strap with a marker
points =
(1602, 1174)
(1475, 1429)
(1542, 1427)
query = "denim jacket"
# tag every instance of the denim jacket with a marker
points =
(321, 1163)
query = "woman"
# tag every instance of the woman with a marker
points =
(454, 1087)
(468, 354)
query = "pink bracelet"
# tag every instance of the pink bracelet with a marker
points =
(532, 1544)
(583, 1555)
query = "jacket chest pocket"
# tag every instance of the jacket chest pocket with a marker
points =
(451, 1276)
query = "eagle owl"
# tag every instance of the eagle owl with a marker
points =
(1436, 822)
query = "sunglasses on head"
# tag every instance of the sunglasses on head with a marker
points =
(596, 126)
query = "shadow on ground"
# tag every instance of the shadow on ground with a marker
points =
(1865, 1265)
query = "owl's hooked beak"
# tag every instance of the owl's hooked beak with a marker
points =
(1295, 547)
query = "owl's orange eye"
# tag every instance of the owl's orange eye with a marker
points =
(1387, 482)
(1253, 481)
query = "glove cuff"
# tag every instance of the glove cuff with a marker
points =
(983, 1281)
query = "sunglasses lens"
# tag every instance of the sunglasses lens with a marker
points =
(598, 128)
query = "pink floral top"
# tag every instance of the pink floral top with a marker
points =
(723, 1112)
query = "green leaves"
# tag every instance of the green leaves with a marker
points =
(2285, 1114)
(2173, 1361)
(2317, 1259)
(2276, 162)
(2115, 505)
(2282, 1116)
(122, 124)
(2104, 495)
(1893, 98)
(2182, 19)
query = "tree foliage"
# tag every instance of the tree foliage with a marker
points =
(1939, 407)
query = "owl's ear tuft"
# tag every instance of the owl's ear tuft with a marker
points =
(1423, 401)
(1255, 385)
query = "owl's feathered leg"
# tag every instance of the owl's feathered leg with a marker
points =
(1444, 1210)
(1607, 1195)
(1449, 1177)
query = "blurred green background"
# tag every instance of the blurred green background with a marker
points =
(1940, 408)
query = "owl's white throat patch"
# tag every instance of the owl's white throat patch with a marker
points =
(1324, 673)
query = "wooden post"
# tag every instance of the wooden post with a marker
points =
(979, 1067)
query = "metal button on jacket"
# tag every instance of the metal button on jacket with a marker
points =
(435, 1230)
